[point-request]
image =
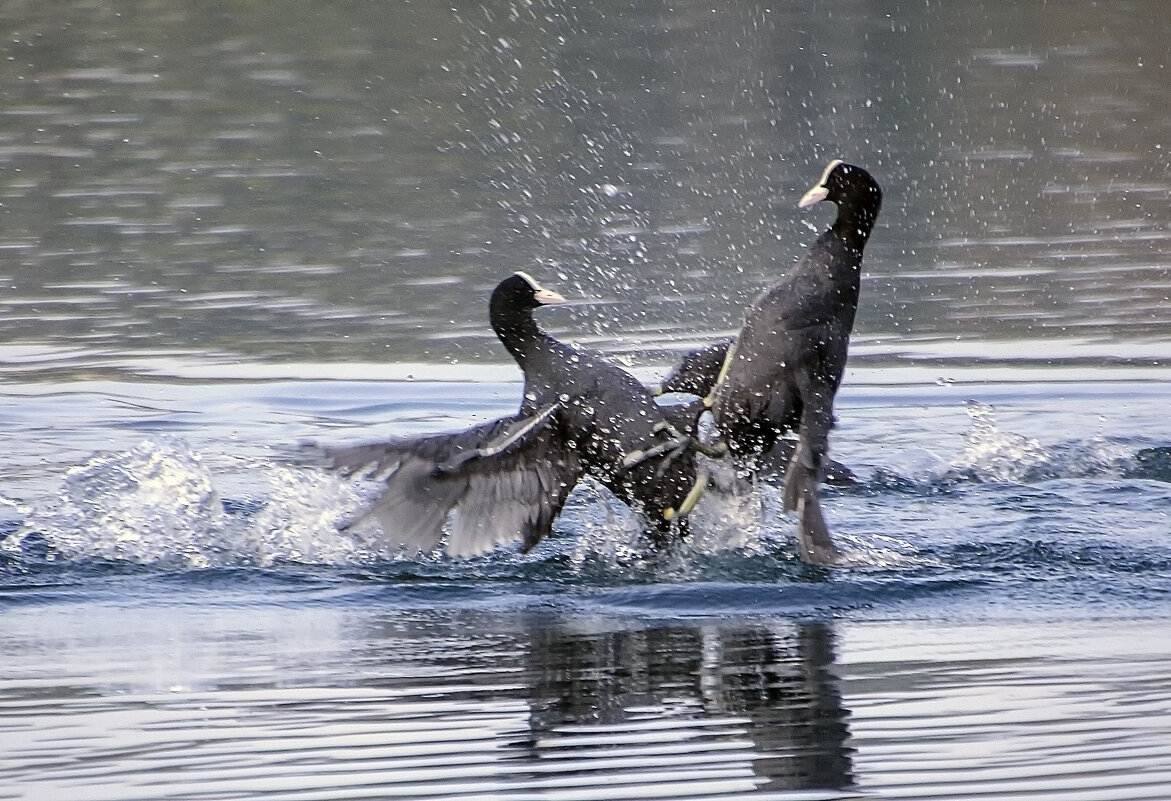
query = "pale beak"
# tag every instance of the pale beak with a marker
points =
(547, 297)
(820, 191)
(814, 195)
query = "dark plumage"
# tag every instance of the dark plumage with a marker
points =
(508, 479)
(783, 371)
(697, 373)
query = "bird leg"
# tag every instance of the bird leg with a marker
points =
(814, 542)
(640, 455)
(710, 400)
(697, 489)
(672, 446)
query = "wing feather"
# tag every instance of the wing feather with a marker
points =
(495, 483)
(514, 495)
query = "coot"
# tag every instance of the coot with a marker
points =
(509, 478)
(783, 370)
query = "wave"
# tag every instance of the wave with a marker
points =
(1005, 508)
(157, 504)
(990, 454)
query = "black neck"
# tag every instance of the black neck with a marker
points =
(517, 329)
(856, 218)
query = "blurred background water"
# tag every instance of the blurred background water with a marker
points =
(227, 227)
(278, 183)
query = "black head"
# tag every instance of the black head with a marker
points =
(846, 185)
(521, 292)
(858, 199)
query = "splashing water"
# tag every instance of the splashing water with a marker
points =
(994, 455)
(730, 515)
(156, 504)
(607, 539)
(991, 454)
(153, 503)
(300, 522)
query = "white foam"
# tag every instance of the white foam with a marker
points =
(153, 503)
(157, 504)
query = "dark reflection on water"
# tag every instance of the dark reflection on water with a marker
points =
(775, 687)
(306, 690)
(252, 702)
(344, 181)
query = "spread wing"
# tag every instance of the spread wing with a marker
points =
(497, 482)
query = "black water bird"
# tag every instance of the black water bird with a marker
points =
(508, 479)
(783, 370)
(697, 373)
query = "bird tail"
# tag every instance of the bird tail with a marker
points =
(814, 542)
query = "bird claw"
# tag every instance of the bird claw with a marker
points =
(637, 457)
(716, 451)
(670, 450)
(445, 469)
(671, 455)
(632, 458)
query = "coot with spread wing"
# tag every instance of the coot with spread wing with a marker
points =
(508, 479)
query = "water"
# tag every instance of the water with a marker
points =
(226, 230)
(183, 619)
(344, 183)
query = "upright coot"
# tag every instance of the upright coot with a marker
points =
(509, 478)
(783, 370)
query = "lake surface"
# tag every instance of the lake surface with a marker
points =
(229, 228)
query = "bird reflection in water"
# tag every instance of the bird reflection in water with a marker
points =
(745, 709)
